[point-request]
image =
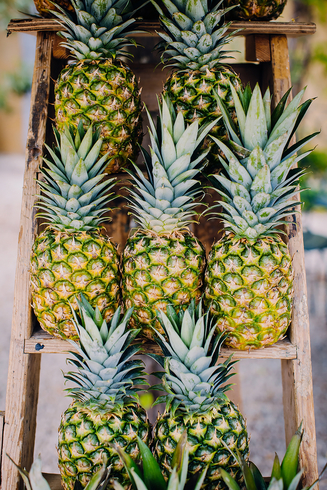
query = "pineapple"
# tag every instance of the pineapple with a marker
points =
(98, 87)
(71, 254)
(193, 43)
(255, 9)
(105, 409)
(151, 478)
(249, 272)
(163, 262)
(44, 6)
(195, 398)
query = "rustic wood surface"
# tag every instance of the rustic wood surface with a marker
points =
(296, 374)
(24, 369)
(43, 343)
(257, 47)
(292, 29)
(2, 422)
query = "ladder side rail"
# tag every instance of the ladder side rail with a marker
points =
(24, 369)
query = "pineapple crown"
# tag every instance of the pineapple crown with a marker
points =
(100, 29)
(258, 181)
(192, 379)
(106, 376)
(194, 35)
(151, 477)
(74, 195)
(165, 202)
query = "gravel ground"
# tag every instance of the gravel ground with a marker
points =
(260, 380)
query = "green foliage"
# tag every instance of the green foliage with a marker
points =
(316, 179)
(319, 5)
(320, 55)
(10, 9)
(18, 82)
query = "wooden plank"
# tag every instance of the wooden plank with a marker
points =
(296, 374)
(24, 369)
(42, 342)
(54, 481)
(292, 29)
(257, 47)
(2, 422)
(280, 66)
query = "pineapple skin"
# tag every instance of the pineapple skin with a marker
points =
(85, 433)
(204, 434)
(106, 94)
(64, 264)
(192, 93)
(158, 271)
(43, 6)
(255, 9)
(249, 289)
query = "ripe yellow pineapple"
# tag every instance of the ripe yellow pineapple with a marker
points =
(194, 42)
(163, 262)
(195, 386)
(72, 254)
(255, 9)
(248, 280)
(105, 409)
(98, 87)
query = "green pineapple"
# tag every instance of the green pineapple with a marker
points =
(151, 478)
(195, 397)
(194, 41)
(98, 87)
(163, 262)
(72, 255)
(249, 279)
(255, 9)
(105, 407)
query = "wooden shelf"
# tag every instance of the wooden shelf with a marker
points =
(291, 29)
(43, 343)
(54, 480)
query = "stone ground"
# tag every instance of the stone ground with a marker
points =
(260, 380)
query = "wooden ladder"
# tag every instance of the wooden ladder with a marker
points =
(266, 43)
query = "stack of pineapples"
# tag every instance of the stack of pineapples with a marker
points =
(78, 282)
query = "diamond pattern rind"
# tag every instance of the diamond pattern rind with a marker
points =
(249, 289)
(255, 9)
(193, 94)
(107, 95)
(65, 264)
(85, 434)
(158, 271)
(204, 438)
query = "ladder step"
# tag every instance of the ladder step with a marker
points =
(43, 343)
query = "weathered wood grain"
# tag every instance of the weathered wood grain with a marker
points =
(257, 47)
(24, 369)
(2, 422)
(296, 374)
(292, 29)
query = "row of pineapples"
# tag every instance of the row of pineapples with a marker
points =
(248, 277)
(204, 112)
(261, 10)
(199, 442)
(148, 475)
